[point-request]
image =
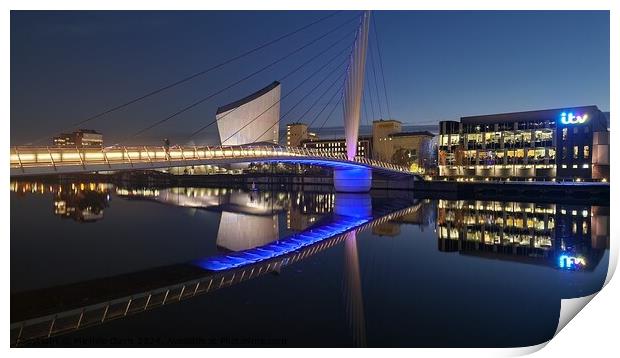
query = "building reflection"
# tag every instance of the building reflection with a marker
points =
(571, 237)
(82, 202)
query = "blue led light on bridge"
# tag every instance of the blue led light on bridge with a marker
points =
(280, 247)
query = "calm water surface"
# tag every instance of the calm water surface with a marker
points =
(435, 273)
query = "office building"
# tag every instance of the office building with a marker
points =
(81, 138)
(339, 146)
(296, 133)
(563, 144)
(381, 147)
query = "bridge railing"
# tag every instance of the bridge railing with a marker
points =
(28, 157)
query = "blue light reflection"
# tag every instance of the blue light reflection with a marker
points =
(280, 247)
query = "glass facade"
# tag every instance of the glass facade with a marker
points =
(541, 145)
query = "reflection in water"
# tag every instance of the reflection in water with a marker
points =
(242, 231)
(83, 202)
(252, 243)
(571, 237)
(354, 303)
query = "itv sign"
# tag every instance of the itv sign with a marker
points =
(571, 118)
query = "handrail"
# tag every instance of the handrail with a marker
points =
(199, 153)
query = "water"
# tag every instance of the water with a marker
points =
(439, 273)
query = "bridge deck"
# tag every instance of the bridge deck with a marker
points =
(56, 160)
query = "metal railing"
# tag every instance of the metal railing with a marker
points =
(53, 157)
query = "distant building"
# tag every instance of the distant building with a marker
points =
(296, 133)
(415, 146)
(339, 146)
(80, 138)
(564, 143)
(251, 119)
(381, 146)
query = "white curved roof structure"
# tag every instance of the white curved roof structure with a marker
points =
(251, 119)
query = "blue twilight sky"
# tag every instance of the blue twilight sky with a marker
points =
(67, 66)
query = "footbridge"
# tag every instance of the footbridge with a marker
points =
(348, 173)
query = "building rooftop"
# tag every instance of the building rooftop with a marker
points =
(412, 134)
(247, 99)
(366, 137)
(386, 120)
(550, 114)
(92, 131)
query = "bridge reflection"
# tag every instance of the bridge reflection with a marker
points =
(322, 222)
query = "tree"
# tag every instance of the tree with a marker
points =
(404, 157)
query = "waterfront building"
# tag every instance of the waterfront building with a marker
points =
(251, 119)
(564, 143)
(381, 147)
(339, 146)
(412, 149)
(80, 138)
(296, 133)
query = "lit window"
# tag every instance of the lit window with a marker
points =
(575, 152)
(564, 133)
(574, 166)
(563, 166)
(586, 166)
(586, 151)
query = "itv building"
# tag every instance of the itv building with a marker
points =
(553, 144)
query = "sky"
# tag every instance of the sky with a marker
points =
(67, 66)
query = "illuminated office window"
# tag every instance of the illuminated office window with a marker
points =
(575, 152)
(564, 133)
(574, 228)
(586, 151)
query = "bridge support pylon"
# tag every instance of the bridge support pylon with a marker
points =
(353, 180)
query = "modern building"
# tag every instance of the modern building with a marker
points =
(564, 144)
(80, 138)
(339, 146)
(296, 133)
(252, 119)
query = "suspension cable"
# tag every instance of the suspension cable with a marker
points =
(332, 110)
(374, 76)
(204, 99)
(286, 95)
(372, 106)
(205, 71)
(387, 103)
(339, 90)
(318, 99)
(280, 80)
(197, 74)
(302, 99)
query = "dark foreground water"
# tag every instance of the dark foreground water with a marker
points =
(97, 265)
